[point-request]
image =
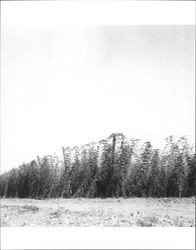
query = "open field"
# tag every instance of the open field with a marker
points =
(140, 212)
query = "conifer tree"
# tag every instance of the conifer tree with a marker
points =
(154, 184)
(65, 181)
(93, 172)
(143, 170)
(104, 183)
(123, 163)
(76, 175)
(192, 176)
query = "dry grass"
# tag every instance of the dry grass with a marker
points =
(139, 212)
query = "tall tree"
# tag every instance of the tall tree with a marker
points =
(93, 172)
(76, 175)
(153, 182)
(192, 176)
(123, 164)
(65, 180)
(143, 170)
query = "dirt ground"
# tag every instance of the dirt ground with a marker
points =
(138, 212)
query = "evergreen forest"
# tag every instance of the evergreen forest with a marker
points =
(114, 167)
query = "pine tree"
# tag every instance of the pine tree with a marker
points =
(192, 176)
(178, 178)
(153, 185)
(163, 176)
(171, 153)
(33, 175)
(65, 180)
(123, 163)
(104, 182)
(76, 175)
(93, 172)
(143, 170)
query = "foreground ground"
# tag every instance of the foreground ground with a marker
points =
(99, 212)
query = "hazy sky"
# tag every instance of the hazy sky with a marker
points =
(73, 85)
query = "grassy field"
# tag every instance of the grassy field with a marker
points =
(139, 212)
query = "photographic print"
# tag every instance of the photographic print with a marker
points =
(97, 125)
(105, 98)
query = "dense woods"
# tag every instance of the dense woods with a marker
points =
(115, 167)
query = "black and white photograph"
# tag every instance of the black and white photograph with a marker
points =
(97, 123)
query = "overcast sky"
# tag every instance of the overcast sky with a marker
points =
(72, 85)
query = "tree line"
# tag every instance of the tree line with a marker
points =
(115, 167)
